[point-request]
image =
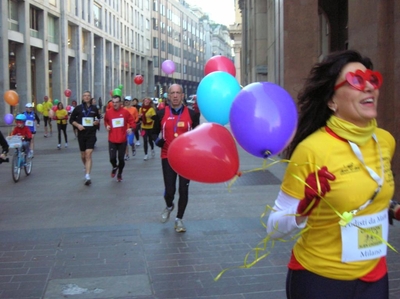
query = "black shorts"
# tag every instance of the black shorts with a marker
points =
(86, 142)
(46, 119)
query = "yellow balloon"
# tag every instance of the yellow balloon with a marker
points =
(39, 107)
(49, 105)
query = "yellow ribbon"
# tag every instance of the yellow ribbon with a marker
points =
(261, 252)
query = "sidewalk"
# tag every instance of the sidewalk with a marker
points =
(61, 239)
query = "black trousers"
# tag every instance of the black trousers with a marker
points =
(302, 284)
(62, 127)
(147, 139)
(170, 177)
(117, 150)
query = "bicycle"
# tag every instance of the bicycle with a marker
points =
(19, 159)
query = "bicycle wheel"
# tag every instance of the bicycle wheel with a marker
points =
(28, 165)
(15, 169)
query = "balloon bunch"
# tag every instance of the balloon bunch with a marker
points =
(262, 117)
(11, 97)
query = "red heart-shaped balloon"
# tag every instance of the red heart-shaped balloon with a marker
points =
(207, 154)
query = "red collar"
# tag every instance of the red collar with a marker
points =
(329, 130)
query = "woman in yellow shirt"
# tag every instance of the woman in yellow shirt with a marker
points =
(61, 116)
(146, 113)
(338, 186)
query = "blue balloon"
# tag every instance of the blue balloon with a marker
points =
(215, 95)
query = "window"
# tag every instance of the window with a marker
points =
(51, 29)
(13, 15)
(156, 61)
(97, 15)
(34, 21)
(155, 43)
(155, 5)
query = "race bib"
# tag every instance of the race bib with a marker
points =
(87, 121)
(181, 124)
(367, 243)
(29, 123)
(117, 122)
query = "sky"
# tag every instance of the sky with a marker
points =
(220, 11)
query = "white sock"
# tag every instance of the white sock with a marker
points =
(87, 176)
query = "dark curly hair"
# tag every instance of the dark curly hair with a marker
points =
(318, 90)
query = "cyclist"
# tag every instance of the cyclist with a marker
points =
(23, 131)
(32, 121)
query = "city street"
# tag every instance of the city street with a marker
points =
(61, 239)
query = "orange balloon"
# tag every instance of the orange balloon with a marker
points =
(11, 97)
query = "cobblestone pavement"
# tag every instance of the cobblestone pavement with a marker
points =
(61, 239)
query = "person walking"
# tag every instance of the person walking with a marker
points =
(118, 122)
(338, 186)
(47, 105)
(173, 121)
(135, 103)
(61, 116)
(72, 107)
(130, 137)
(146, 114)
(32, 121)
(85, 118)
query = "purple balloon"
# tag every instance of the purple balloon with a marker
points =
(263, 119)
(8, 119)
(168, 67)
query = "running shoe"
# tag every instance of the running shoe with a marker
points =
(137, 143)
(119, 178)
(165, 214)
(179, 227)
(59, 146)
(66, 145)
(146, 157)
(113, 172)
(153, 153)
(88, 182)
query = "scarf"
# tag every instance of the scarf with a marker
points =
(349, 131)
(144, 118)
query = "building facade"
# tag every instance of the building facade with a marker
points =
(49, 46)
(177, 35)
(235, 31)
(282, 39)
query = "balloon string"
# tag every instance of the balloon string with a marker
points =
(261, 252)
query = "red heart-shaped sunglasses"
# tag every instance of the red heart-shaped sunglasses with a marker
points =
(359, 78)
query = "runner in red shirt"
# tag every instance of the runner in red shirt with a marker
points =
(118, 122)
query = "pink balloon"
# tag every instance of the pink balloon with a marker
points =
(54, 108)
(68, 108)
(168, 67)
(67, 93)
